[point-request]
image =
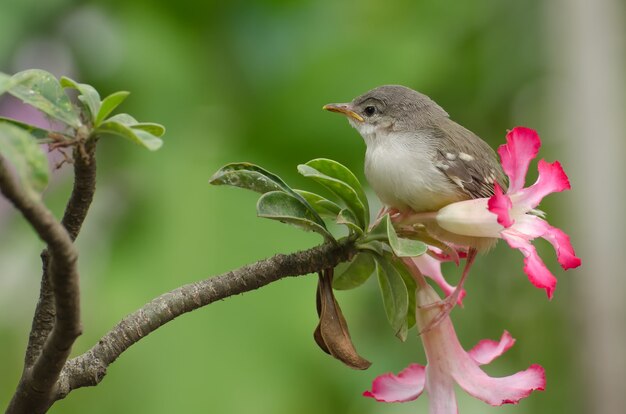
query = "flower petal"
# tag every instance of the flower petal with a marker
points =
(487, 350)
(522, 145)
(431, 267)
(498, 391)
(564, 251)
(500, 204)
(536, 227)
(552, 179)
(537, 272)
(448, 362)
(406, 386)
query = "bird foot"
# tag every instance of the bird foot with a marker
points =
(445, 306)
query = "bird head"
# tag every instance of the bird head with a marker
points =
(388, 108)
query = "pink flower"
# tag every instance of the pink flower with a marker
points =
(511, 216)
(449, 363)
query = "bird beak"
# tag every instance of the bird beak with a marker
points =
(343, 109)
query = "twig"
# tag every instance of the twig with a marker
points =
(90, 368)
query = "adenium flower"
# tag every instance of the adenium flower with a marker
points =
(448, 363)
(512, 215)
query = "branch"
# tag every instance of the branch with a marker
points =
(90, 368)
(36, 387)
(75, 213)
(83, 190)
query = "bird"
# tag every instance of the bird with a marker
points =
(418, 160)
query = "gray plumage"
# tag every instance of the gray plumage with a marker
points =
(418, 158)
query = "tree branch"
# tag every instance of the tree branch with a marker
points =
(73, 218)
(90, 368)
(48, 375)
(37, 385)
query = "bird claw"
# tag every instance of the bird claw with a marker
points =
(445, 305)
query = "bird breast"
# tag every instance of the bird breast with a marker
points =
(401, 170)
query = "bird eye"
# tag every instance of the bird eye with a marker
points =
(370, 110)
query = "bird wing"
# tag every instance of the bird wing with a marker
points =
(467, 160)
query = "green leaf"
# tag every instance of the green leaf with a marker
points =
(287, 208)
(33, 130)
(372, 246)
(346, 217)
(355, 273)
(379, 231)
(420, 233)
(322, 205)
(407, 247)
(155, 129)
(339, 171)
(343, 190)
(124, 119)
(109, 104)
(138, 136)
(403, 247)
(411, 287)
(395, 296)
(88, 95)
(252, 177)
(23, 152)
(41, 90)
(149, 127)
(147, 140)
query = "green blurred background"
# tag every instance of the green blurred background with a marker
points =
(245, 81)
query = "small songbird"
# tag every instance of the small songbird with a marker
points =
(419, 160)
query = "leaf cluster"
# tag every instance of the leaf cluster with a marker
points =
(74, 122)
(380, 249)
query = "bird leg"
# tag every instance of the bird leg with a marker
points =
(381, 213)
(448, 303)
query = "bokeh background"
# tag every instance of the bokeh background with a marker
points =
(245, 80)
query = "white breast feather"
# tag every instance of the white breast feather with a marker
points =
(401, 171)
